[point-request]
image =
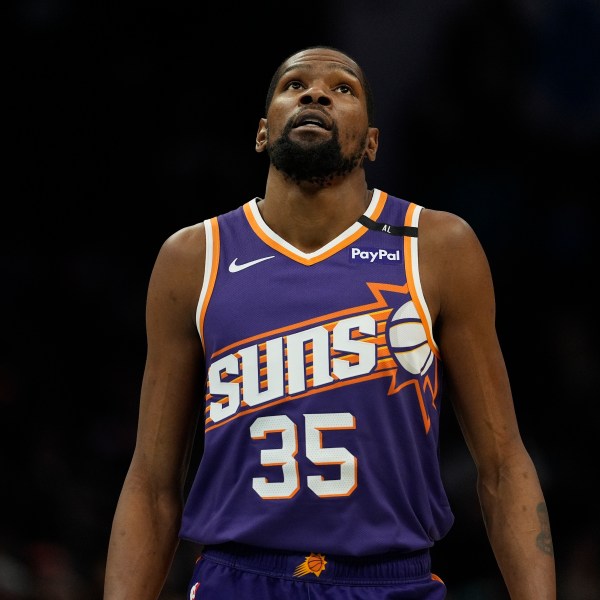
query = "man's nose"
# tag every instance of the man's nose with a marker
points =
(315, 96)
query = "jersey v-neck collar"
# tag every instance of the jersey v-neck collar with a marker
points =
(347, 237)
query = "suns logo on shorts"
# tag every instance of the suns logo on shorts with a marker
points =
(314, 563)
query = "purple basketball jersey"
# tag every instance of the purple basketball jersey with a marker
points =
(323, 390)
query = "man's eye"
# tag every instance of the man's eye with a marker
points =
(345, 89)
(294, 85)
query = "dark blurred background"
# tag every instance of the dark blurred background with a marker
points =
(126, 122)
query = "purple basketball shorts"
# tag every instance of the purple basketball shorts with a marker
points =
(239, 572)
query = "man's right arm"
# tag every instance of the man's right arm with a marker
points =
(145, 528)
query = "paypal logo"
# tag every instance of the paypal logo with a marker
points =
(375, 255)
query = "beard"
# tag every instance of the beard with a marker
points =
(315, 163)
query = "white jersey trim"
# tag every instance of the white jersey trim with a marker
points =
(208, 261)
(414, 257)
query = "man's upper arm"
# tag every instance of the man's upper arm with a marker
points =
(171, 393)
(461, 288)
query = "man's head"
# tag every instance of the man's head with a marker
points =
(319, 111)
(358, 72)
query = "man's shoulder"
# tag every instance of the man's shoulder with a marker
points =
(445, 228)
(186, 236)
(185, 246)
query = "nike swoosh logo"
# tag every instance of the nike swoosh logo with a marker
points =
(234, 267)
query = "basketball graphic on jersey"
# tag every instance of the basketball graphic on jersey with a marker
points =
(408, 340)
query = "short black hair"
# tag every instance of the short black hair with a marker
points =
(363, 79)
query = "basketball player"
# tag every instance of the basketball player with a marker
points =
(306, 333)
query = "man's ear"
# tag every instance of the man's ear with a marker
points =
(372, 143)
(261, 135)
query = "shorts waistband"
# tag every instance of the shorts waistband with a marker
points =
(322, 567)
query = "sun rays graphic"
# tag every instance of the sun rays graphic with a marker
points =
(314, 563)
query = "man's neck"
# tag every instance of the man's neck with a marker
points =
(308, 217)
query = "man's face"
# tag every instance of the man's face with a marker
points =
(317, 125)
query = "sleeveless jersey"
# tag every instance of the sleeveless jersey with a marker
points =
(323, 390)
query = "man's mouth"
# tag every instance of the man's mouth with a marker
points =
(312, 118)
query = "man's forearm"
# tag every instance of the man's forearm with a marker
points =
(519, 531)
(141, 549)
